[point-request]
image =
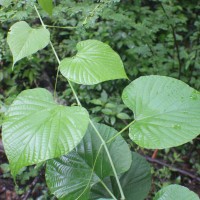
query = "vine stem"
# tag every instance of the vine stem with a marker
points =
(104, 185)
(175, 41)
(110, 159)
(78, 102)
(120, 132)
(62, 27)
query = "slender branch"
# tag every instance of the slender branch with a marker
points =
(120, 132)
(78, 102)
(110, 159)
(92, 174)
(154, 154)
(172, 168)
(31, 186)
(195, 57)
(62, 27)
(1, 147)
(104, 185)
(175, 42)
(111, 194)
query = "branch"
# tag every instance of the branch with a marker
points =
(1, 147)
(175, 42)
(186, 173)
(31, 186)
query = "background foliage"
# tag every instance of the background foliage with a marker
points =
(152, 37)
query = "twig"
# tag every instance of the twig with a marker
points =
(154, 154)
(1, 147)
(31, 186)
(175, 42)
(172, 168)
(195, 57)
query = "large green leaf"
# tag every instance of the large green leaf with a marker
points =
(94, 62)
(175, 192)
(71, 176)
(37, 129)
(46, 5)
(167, 111)
(25, 41)
(136, 182)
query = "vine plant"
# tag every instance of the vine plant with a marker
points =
(86, 160)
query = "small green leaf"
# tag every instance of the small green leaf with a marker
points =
(96, 101)
(107, 111)
(174, 192)
(37, 129)
(46, 5)
(70, 177)
(94, 62)
(166, 111)
(136, 182)
(123, 116)
(5, 3)
(25, 41)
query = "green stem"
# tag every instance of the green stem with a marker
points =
(111, 194)
(62, 27)
(104, 185)
(78, 102)
(120, 132)
(175, 42)
(110, 159)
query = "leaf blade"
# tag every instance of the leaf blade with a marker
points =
(166, 111)
(27, 42)
(136, 182)
(37, 129)
(69, 176)
(46, 5)
(174, 192)
(94, 62)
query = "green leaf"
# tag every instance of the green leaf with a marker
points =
(136, 182)
(25, 41)
(37, 129)
(94, 62)
(174, 192)
(71, 176)
(46, 5)
(5, 3)
(123, 116)
(107, 111)
(166, 111)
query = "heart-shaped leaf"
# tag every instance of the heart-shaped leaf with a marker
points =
(72, 176)
(25, 41)
(136, 182)
(37, 129)
(46, 5)
(166, 111)
(174, 192)
(94, 62)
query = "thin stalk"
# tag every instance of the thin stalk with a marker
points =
(120, 132)
(78, 102)
(58, 60)
(110, 159)
(62, 27)
(111, 194)
(175, 42)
